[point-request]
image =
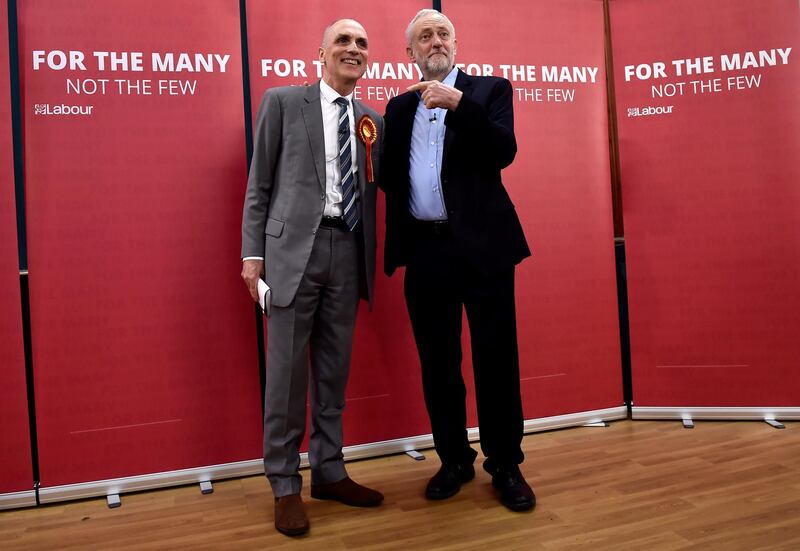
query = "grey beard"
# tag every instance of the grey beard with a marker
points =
(436, 66)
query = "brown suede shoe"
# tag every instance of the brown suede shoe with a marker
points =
(348, 492)
(290, 515)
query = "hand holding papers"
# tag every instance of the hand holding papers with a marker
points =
(264, 296)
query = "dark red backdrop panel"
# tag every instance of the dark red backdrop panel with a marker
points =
(384, 393)
(143, 341)
(711, 199)
(560, 183)
(15, 451)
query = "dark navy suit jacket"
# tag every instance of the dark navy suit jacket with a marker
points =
(479, 142)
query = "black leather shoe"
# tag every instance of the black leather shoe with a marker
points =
(448, 480)
(514, 491)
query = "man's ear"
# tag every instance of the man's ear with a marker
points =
(410, 54)
(321, 54)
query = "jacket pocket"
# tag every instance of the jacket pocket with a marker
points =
(274, 227)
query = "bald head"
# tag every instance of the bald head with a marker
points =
(330, 30)
(344, 54)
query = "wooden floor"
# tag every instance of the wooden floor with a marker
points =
(633, 485)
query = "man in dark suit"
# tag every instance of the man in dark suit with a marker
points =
(309, 228)
(450, 221)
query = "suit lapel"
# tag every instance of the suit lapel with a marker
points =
(312, 116)
(463, 83)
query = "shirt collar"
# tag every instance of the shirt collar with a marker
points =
(330, 95)
(450, 79)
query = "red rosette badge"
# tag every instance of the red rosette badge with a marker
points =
(368, 134)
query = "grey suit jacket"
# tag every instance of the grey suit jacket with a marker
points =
(286, 188)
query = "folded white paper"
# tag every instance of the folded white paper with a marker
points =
(264, 296)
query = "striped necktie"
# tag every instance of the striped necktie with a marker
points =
(349, 204)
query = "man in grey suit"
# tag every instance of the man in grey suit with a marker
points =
(309, 227)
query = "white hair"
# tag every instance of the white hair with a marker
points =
(423, 13)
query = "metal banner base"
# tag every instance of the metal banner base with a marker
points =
(717, 413)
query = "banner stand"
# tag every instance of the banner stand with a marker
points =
(152, 481)
(238, 469)
(717, 413)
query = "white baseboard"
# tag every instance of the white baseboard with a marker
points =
(17, 499)
(576, 419)
(150, 481)
(717, 413)
(256, 466)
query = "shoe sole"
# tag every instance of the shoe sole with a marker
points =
(292, 532)
(439, 497)
(517, 507)
(520, 507)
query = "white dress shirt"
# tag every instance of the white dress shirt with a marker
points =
(330, 123)
(425, 200)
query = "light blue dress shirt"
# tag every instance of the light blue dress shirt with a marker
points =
(426, 201)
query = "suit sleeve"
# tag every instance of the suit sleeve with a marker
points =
(489, 129)
(260, 183)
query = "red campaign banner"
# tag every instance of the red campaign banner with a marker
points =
(15, 453)
(709, 130)
(384, 392)
(567, 317)
(144, 345)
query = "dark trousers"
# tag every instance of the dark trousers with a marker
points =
(439, 282)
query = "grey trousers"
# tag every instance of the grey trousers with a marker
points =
(316, 326)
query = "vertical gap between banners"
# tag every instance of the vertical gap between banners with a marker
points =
(613, 138)
(619, 229)
(248, 130)
(16, 125)
(22, 245)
